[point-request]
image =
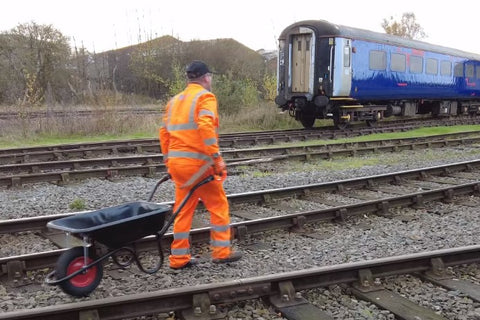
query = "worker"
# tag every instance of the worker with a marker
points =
(190, 147)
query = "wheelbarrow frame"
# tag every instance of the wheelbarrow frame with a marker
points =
(128, 246)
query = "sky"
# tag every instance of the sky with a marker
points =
(102, 25)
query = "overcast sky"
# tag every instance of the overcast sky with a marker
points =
(103, 25)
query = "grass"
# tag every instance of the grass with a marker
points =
(107, 127)
(78, 204)
(421, 132)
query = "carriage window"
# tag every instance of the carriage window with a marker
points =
(308, 45)
(477, 69)
(432, 66)
(445, 68)
(378, 60)
(299, 46)
(458, 70)
(469, 70)
(416, 64)
(398, 62)
(346, 56)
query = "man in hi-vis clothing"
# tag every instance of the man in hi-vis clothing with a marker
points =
(189, 142)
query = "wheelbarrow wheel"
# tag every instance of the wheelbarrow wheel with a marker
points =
(84, 283)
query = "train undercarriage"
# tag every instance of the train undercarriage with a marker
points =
(344, 113)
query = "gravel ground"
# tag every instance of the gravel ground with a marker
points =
(437, 226)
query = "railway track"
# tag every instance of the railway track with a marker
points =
(265, 206)
(297, 209)
(63, 171)
(468, 171)
(231, 140)
(286, 291)
(73, 113)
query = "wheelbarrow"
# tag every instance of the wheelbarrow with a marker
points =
(78, 270)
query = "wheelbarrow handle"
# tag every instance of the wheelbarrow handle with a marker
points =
(165, 178)
(184, 200)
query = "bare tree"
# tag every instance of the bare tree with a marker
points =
(35, 57)
(407, 27)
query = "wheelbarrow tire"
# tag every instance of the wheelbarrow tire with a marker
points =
(84, 283)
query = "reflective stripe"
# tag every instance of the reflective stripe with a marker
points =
(181, 235)
(198, 174)
(171, 103)
(206, 113)
(183, 126)
(217, 243)
(180, 252)
(210, 141)
(220, 228)
(191, 124)
(188, 154)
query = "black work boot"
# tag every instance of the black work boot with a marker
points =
(234, 256)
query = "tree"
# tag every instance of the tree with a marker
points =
(407, 27)
(35, 58)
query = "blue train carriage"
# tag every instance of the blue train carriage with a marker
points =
(349, 74)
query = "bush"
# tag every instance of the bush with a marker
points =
(263, 116)
(232, 93)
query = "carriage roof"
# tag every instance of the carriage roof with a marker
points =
(324, 29)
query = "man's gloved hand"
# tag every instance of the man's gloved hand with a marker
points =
(219, 165)
(221, 177)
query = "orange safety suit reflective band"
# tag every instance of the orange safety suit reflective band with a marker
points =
(188, 138)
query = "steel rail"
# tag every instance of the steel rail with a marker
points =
(262, 196)
(72, 113)
(148, 165)
(289, 221)
(184, 298)
(42, 158)
(318, 150)
(253, 138)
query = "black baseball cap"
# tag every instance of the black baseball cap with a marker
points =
(196, 69)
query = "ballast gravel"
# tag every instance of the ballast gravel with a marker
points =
(437, 226)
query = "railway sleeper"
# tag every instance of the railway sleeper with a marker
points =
(293, 306)
(395, 303)
(202, 309)
(372, 291)
(439, 277)
(369, 289)
(14, 270)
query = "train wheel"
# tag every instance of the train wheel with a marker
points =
(84, 283)
(307, 121)
(338, 122)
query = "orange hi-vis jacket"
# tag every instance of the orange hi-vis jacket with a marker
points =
(188, 138)
(190, 126)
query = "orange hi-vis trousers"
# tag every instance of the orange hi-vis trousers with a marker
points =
(215, 201)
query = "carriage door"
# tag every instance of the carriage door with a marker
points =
(301, 64)
(342, 67)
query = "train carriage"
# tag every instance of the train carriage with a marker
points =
(349, 74)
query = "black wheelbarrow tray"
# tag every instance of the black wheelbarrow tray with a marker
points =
(78, 270)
